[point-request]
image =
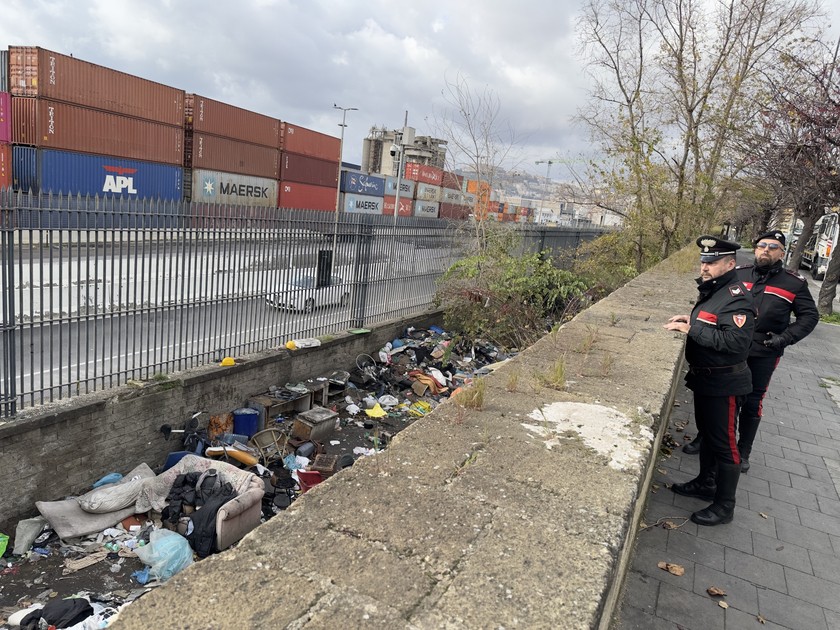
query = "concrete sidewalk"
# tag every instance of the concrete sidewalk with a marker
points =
(785, 567)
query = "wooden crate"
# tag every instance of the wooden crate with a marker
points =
(326, 465)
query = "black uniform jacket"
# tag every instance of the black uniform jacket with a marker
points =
(777, 293)
(722, 325)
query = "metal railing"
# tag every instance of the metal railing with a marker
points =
(97, 292)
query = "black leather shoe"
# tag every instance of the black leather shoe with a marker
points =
(699, 488)
(715, 514)
(693, 447)
(745, 464)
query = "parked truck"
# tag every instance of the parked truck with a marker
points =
(822, 242)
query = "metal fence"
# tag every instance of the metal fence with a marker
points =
(96, 292)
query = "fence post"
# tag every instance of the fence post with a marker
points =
(8, 395)
(361, 270)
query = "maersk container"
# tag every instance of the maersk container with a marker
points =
(469, 199)
(450, 195)
(362, 184)
(427, 192)
(78, 174)
(5, 117)
(302, 141)
(426, 208)
(406, 206)
(423, 173)
(53, 125)
(213, 153)
(293, 195)
(308, 170)
(364, 204)
(40, 73)
(227, 188)
(5, 166)
(4, 70)
(205, 115)
(407, 187)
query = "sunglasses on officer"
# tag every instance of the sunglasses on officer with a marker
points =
(767, 245)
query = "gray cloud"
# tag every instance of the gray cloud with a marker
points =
(293, 59)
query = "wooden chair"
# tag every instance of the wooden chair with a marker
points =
(271, 443)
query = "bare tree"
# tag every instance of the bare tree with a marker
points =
(480, 140)
(673, 83)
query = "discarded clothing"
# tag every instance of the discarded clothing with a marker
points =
(61, 613)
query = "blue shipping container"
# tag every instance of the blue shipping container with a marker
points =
(362, 184)
(76, 174)
(406, 187)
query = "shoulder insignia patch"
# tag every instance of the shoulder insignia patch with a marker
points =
(739, 320)
(796, 275)
(736, 290)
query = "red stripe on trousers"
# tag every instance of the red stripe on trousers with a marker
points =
(761, 402)
(733, 442)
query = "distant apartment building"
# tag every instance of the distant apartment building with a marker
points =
(376, 151)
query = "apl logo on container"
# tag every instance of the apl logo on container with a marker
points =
(119, 183)
(209, 187)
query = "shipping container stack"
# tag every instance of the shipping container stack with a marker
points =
(408, 187)
(362, 193)
(84, 129)
(309, 169)
(453, 202)
(230, 156)
(428, 191)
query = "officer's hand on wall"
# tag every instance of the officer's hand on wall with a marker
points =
(774, 341)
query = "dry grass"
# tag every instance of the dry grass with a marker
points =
(590, 340)
(606, 364)
(684, 261)
(513, 381)
(556, 376)
(473, 396)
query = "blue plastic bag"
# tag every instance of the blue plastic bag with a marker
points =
(110, 478)
(166, 554)
(141, 576)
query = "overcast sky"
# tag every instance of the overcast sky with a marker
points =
(293, 59)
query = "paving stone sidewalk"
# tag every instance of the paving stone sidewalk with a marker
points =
(780, 557)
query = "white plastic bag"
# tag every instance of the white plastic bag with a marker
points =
(167, 553)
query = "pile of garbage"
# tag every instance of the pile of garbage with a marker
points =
(316, 428)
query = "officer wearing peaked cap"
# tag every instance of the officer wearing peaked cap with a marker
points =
(719, 330)
(777, 293)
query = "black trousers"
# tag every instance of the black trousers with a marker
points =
(762, 369)
(717, 422)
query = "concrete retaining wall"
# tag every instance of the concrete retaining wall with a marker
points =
(519, 515)
(49, 452)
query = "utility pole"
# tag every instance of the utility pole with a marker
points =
(545, 183)
(343, 124)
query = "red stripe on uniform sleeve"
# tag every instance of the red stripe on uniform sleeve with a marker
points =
(709, 318)
(785, 295)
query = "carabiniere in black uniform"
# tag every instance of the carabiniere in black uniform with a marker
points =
(721, 331)
(777, 293)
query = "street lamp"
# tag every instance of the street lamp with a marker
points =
(343, 124)
(545, 183)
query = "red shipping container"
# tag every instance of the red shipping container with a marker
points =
(220, 119)
(453, 181)
(292, 195)
(294, 139)
(38, 72)
(406, 206)
(308, 170)
(5, 166)
(52, 125)
(453, 211)
(5, 117)
(423, 173)
(230, 156)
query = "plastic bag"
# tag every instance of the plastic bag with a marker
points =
(4, 540)
(167, 553)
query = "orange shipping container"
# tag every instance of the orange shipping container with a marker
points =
(52, 125)
(45, 74)
(294, 139)
(230, 156)
(205, 115)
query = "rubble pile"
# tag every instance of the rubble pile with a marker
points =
(84, 558)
